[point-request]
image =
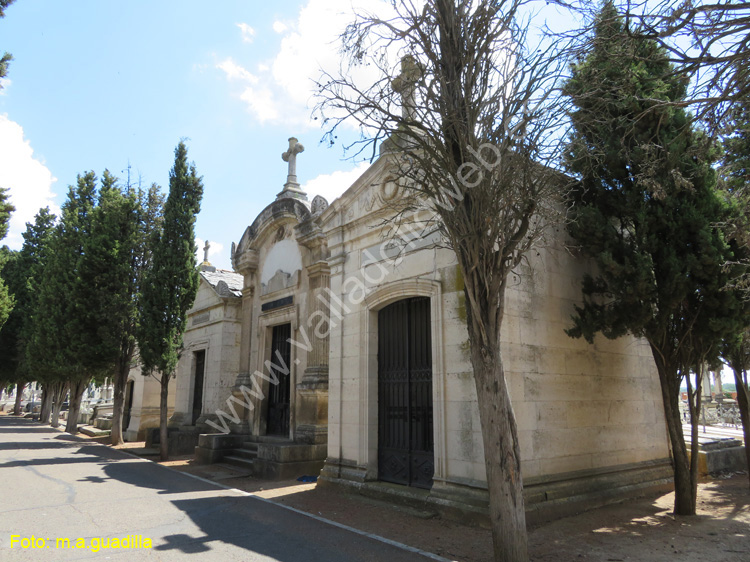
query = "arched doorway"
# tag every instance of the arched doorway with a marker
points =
(405, 419)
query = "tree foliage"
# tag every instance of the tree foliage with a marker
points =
(6, 298)
(171, 282)
(84, 306)
(22, 273)
(6, 58)
(147, 221)
(645, 211)
(57, 348)
(706, 42)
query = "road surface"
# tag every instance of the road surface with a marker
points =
(64, 498)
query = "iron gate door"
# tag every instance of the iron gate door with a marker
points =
(277, 422)
(405, 439)
(200, 364)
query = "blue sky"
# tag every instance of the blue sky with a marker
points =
(97, 85)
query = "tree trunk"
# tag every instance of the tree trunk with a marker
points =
(743, 398)
(670, 395)
(120, 382)
(163, 444)
(19, 395)
(59, 389)
(44, 412)
(694, 403)
(502, 452)
(76, 393)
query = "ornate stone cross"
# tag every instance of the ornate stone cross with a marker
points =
(291, 156)
(291, 187)
(405, 84)
(205, 251)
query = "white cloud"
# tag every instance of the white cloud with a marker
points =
(215, 249)
(248, 33)
(309, 43)
(235, 72)
(332, 186)
(4, 85)
(280, 27)
(29, 180)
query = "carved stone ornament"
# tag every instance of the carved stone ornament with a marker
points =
(280, 234)
(389, 189)
(319, 204)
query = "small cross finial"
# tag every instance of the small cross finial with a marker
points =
(291, 156)
(405, 84)
(291, 187)
(205, 251)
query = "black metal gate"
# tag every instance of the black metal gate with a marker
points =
(277, 422)
(199, 358)
(405, 439)
(128, 404)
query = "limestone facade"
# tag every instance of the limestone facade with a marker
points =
(142, 395)
(209, 363)
(589, 416)
(582, 410)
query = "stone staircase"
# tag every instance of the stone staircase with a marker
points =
(267, 457)
(243, 456)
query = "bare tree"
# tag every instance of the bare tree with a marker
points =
(470, 127)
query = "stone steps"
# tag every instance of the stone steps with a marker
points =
(239, 462)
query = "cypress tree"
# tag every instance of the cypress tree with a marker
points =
(149, 205)
(58, 343)
(736, 175)
(644, 211)
(171, 281)
(22, 275)
(6, 298)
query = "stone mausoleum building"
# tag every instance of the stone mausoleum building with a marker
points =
(330, 353)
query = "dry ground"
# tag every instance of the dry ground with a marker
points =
(637, 530)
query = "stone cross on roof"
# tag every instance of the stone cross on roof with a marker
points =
(405, 84)
(291, 187)
(205, 251)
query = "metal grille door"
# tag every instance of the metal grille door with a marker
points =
(405, 433)
(199, 358)
(278, 395)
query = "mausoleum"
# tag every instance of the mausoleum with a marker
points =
(343, 351)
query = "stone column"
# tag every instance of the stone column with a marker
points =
(312, 389)
(247, 265)
(717, 387)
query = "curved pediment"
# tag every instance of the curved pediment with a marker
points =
(269, 223)
(376, 189)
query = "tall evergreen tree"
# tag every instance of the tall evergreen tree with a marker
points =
(22, 275)
(736, 176)
(58, 344)
(645, 212)
(106, 272)
(148, 220)
(171, 282)
(6, 299)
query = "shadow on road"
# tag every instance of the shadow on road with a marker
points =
(30, 446)
(278, 533)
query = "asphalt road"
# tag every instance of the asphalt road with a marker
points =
(55, 486)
